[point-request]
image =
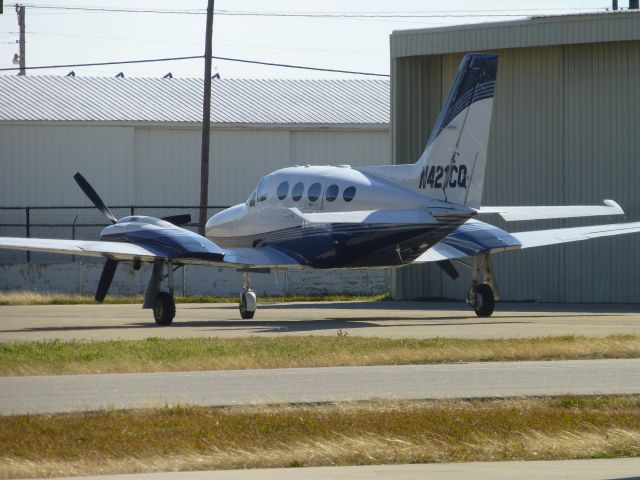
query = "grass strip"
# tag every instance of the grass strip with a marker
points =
(190, 438)
(189, 354)
(37, 298)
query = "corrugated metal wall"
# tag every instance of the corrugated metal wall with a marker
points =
(160, 165)
(564, 131)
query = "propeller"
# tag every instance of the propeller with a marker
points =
(110, 265)
(105, 279)
(94, 197)
(448, 268)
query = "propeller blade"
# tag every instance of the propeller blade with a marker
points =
(94, 197)
(105, 279)
(448, 268)
(178, 220)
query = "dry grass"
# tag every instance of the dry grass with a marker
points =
(186, 438)
(40, 298)
(189, 354)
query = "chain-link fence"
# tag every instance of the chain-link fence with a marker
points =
(83, 223)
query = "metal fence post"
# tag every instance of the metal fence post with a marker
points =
(73, 235)
(28, 225)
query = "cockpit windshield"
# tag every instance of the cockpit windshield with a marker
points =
(251, 201)
(263, 188)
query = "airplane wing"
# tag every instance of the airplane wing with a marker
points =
(475, 237)
(115, 250)
(123, 251)
(513, 214)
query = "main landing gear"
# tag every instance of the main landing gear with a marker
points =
(162, 303)
(247, 298)
(483, 291)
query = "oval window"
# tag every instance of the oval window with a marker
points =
(332, 193)
(314, 192)
(349, 193)
(283, 190)
(296, 191)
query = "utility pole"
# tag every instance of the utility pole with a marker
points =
(20, 12)
(206, 120)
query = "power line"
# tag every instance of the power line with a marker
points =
(95, 64)
(116, 10)
(373, 15)
(301, 67)
(193, 57)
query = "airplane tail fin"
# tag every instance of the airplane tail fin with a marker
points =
(453, 164)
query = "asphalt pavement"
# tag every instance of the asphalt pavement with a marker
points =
(67, 393)
(385, 319)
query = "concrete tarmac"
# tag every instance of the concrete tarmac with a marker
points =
(618, 468)
(66, 393)
(381, 319)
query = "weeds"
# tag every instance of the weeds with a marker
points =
(159, 354)
(196, 438)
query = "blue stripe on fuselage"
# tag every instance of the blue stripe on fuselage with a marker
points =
(349, 245)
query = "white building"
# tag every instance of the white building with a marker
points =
(138, 141)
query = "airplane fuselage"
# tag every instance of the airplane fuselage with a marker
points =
(266, 218)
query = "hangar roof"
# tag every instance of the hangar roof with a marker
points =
(621, 25)
(179, 100)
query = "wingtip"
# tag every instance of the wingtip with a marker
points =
(615, 205)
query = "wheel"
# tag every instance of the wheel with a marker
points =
(485, 302)
(164, 309)
(247, 304)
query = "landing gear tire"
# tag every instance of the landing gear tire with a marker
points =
(484, 301)
(164, 309)
(247, 304)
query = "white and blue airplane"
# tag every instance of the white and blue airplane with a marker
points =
(330, 217)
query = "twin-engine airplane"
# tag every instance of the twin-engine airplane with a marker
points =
(341, 217)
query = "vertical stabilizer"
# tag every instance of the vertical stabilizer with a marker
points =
(453, 164)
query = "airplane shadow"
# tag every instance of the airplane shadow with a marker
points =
(269, 326)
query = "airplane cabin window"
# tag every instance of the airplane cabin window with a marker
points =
(252, 200)
(314, 192)
(332, 193)
(349, 193)
(296, 191)
(262, 190)
(283, 190)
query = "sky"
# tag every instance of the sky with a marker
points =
(328, 36)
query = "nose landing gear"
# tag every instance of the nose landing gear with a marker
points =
(247, 298)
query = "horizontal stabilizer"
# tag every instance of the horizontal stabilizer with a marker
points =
(541, 238)
(514, 214)
(368, 216)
